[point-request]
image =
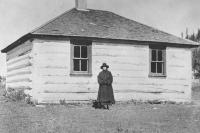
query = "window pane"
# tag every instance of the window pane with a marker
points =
(153, 55)
(84, 65)
(84, 52)
(160, 55)
(76, 65)
(160, 67)
(153, 67)
(77, 51)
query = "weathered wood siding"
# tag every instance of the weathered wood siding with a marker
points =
(129, 65)
(19, 67)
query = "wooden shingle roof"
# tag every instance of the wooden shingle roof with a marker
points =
(103, 25)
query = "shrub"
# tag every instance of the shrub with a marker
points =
(4, 93)
(15, 95)
(28, 100)
(62, 102)
(9, 89)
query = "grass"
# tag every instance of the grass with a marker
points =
(19, 117)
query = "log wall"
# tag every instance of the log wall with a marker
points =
(129, 65)
(19, 67)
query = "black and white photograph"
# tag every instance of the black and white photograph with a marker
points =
(99, 66)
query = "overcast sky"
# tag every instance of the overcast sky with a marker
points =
(18, 17)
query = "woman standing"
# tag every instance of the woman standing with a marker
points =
(105, 93)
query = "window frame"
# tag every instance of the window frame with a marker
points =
(157, 48)
(80, 43)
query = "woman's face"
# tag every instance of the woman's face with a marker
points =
(104, 68)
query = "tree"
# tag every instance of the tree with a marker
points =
(195, 52)
(186, 34)
(198, 36)
(192, 37)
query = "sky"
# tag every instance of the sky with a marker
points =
(18, 17)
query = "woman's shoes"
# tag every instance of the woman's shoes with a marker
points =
(98, 105)
(102, 106)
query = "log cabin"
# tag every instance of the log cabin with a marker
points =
(61, 59)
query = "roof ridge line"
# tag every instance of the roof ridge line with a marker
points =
(50, 21)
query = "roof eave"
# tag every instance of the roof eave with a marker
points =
(16, 43)
(190, 43)
(29, 36)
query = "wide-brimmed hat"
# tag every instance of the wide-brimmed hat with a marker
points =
(104, 65)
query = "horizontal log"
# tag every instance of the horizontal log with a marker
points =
(52, 48)
(138, 54)
(88, 80)
(46, 44)
(150, 96)
(19, 67)
(63, 72)
(135, 44)
(17, 84)
(19, 80)
(58, 62)
(19, 51)
(177, 66)
(22, 62)
(162, 84)
(179, 79)
(20, 70)
(19, 73)
(93, 88)
(20, 87)
(179, 63)
(64, 81)
(118, 47)
(179, 74)
(129, 72)
(29, 56)
(138, 59)
(56, 97)
(52, 58)
(176, 57)
(142, 80)
(115, 91)
(53, 67)
(69, 87)
(112, 62)
(52, 55)
(20, 47)
(19, 77)
(52, 72)
(73, 87)
(179, 69)
(116, 80)
(121, 65)
(179, 52)
(122, 84)
(150, 88)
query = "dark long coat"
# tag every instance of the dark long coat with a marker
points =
(105, 93)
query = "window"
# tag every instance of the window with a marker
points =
(157, 61)
(80, 57)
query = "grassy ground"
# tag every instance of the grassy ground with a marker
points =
(18, 117)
